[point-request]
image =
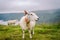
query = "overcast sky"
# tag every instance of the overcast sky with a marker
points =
(20, 5)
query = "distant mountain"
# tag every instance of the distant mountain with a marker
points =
(11, 16)
(48, 16)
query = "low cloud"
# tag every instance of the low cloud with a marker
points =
(20, 5)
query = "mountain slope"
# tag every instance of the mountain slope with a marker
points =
(48, 16)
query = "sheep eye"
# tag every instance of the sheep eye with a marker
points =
(31, 14)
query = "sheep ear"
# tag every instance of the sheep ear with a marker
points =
(25, 12)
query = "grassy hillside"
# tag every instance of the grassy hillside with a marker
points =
(42, 32)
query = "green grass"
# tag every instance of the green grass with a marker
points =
(42, 32)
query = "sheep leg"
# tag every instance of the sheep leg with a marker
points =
(33, 31)
(23, 34)
(30, 33)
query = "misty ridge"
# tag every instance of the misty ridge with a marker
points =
(48, 16)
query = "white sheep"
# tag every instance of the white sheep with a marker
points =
(28, 22)
(12, 22)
